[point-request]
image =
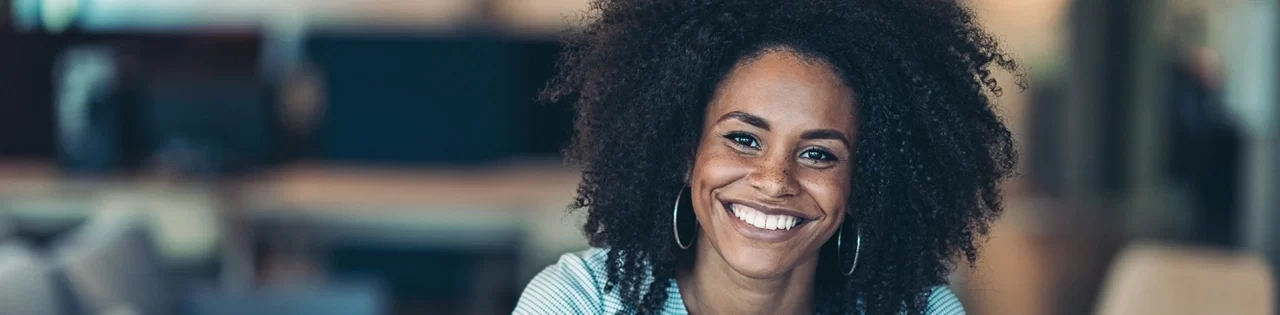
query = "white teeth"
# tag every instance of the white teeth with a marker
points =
(762, 220)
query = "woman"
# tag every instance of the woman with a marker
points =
(832, 157)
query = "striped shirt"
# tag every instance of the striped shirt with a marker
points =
(575, 285)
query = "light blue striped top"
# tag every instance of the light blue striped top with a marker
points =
(575, 285)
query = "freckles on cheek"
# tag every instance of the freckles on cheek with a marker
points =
(830, 189)
(719, 168)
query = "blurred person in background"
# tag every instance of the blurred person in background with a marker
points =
(834, 157)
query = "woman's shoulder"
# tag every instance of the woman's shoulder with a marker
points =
(573, 285)
(587, 267)
(943, 302)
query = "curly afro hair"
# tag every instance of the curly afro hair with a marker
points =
(931, 152)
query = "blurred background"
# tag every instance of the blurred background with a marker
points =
(387, 157)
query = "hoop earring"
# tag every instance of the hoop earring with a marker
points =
(857, 249)
(676, 222)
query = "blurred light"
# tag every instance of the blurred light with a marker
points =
(538, 16)
(1250, 81)
(58, 14)
(172, 15)
(26, 15)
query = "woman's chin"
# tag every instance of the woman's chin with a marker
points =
(759, 264)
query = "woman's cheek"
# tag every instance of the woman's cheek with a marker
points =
(717, 160)
(829, 188)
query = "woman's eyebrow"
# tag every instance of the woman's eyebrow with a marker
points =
(746, 118)
(824, 134)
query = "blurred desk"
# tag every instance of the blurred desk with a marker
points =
(1156, 278)
(468, 236)
(319, 185)
(521, 205)
(314, 186)
(453, 207)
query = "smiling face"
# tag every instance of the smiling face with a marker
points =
(771, 176)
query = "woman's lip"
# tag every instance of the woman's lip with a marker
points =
(768, 209)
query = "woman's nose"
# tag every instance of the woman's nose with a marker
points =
(773, 178)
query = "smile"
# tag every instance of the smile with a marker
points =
(772, 225)
(762, 220)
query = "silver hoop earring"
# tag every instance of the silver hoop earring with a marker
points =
(857, 249)
(675, 220)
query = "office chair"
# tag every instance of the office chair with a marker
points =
(111, 267)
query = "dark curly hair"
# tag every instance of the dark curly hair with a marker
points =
(931, 152)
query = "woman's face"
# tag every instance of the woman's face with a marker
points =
(771, 176)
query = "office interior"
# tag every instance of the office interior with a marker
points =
(389, 157)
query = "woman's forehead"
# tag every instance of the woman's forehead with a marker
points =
(783, 87)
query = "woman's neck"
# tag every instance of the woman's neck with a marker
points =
(710, 286)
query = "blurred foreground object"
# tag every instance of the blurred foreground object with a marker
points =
(26, 284)
(1150, 278)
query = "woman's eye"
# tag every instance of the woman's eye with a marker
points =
(743, 139)
(818, 155)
